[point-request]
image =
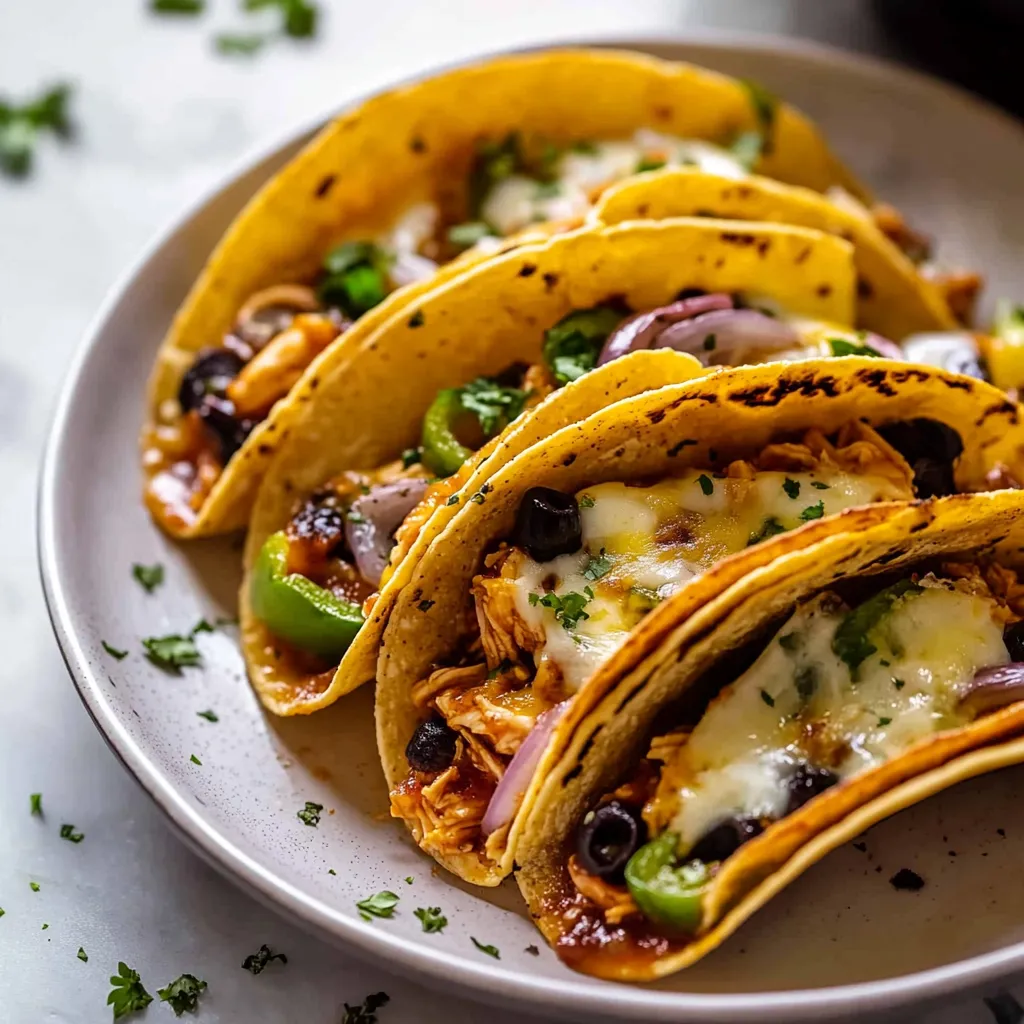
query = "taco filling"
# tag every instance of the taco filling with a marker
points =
(555, 600)
(848, 683)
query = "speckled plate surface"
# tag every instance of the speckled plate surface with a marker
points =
(840, 941)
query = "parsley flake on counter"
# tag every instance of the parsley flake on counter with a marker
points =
(34, 886)
(20, 126)
(128, 995)
(210, 716)
(183, 993)
(813, 512)
(114, 652)
(68, 832)
(35, 801)
(195, 760)
(149, 577)
(489, 950)
(256, 962)
(82, 955)
(310, 814)
(173, 653)
(380, 904)
(431, 918)
(177, 6)
(791, 487)
(366, 1011)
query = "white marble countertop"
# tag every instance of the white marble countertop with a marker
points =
(161, 118)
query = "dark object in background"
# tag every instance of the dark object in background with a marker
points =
(975, 43)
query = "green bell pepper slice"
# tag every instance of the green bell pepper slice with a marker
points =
(295, 609)
(443, 453)
(664, 890)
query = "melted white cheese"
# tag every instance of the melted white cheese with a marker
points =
(655, 538)
(801, 703)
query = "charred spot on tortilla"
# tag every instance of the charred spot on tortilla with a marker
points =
(823, 290)
(550, 280)
(763, 246)
(571, 774)
(417, 319)
(663, 113)
(907, 880)
(569, 460)
(656, 415)
(879, 380)
(1000, 409)
(325, 186)
(528, 270)
(265, 449)
(642, 210)
(417, 144)
(677, 448)
(738, 238)
(865, 290)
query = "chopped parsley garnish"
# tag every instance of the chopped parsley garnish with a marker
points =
(35, 802)
(597, 567)
(114, 652)
(128, 994)
(411, 457)
(707, 485)
(408, 879)
(2, 911)
(195, 760)
(494, 405)
(791, 487)
(842, 347)
(45, 926)
(431, 918)
(177, 6)
(210, 716)
(851, 642)
(649, 163)
(68, 832)
(34, 886)
(331, 871)
(494, 162)
(489, 950)
(356, 277)
(532, 950)
(256, 962)
(380, 904)
(884, 721)
(149, 577)
(813, 512)
(818, 485)
(425, 605)
(769, 528)
(240, 44)
(572, 346)
(20, 126)
(299, 16)
(749, 146)
(568, 608)
(82, 955)
(709, 343)
(898, 683)
(173, 653)
(183, 994)
(768, 698)
(310, 814)
(366, 1011)
(465, 236)
(586, 501)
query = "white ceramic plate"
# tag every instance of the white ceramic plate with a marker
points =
(839, 941)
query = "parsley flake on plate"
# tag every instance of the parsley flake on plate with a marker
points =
(431, 918)
(210, 716)
(114, 652)
(366, 1011)
(20, 126)
(68, 832)
(82, 955)
(149, 577)
(195, 760)
(408, 879)
(128, 994)
(489, 950)
(34, 886)
(310, 814)
(256, 962)
(586, 501)
(173, 653)
(183, 993)
(380, 904)
(35, 801)
(240, 44)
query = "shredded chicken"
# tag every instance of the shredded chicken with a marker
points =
(890, 222)
(990, 579)
(960, 289)
(614, 900)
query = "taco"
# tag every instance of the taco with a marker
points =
(373, 212)
(893, 297)
(799, 707)
(531, 605)
(443, 379)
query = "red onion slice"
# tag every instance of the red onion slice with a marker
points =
(740, 336)
(371, 522)
(516, 780)
(642, 330)
(994, 687)
(410, 267)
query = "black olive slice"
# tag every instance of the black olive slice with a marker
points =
(210, 374)
(608, 837)
(432, 747)
(548, 524)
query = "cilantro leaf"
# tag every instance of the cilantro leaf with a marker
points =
(819, 485)
(494, 405)
(586, 501)
(568, 608)
(769, 528)
(494, 162)
(210, 716)
(649, 163)
(813, 512)
(791, 487)
(355, 277)
(35, 801)
(851, 642)
(128, 994)
(114, 652)
(842, 347)
(149, 577)
(366, 1011)
(431, 918)
(82, 955)
(21, 125)
(310, 814)
(183, 993)
(68, 832)
(177, 6)
(380, 904)
(489, 950)
(172, 653)
(256, 962)
(748, 147)
(571, 346)
(597, 567)
(299, 16)
(34, 886)
(707, 485)
(195, 760)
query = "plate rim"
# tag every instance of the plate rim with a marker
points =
(480, 981)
